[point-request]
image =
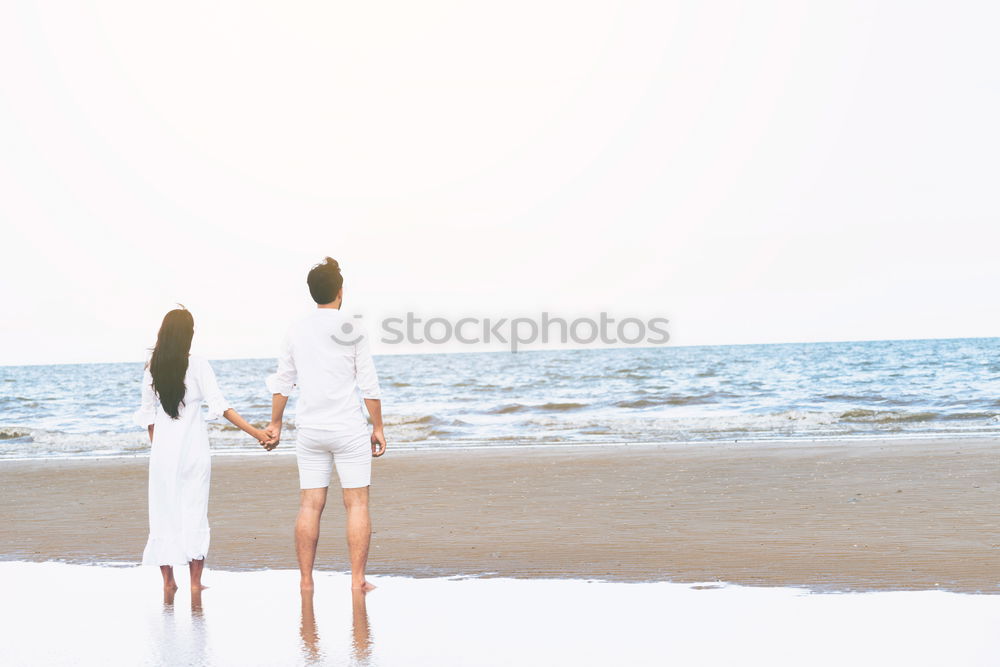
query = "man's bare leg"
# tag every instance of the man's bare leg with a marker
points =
(359, 535)
(307, 533)
(196, 567)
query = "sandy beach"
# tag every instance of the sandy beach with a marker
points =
(872, 515)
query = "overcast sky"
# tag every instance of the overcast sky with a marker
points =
(753, 171)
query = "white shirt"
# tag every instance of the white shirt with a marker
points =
(326, 355)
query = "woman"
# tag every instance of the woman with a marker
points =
(175, 384)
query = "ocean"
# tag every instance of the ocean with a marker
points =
(811, 392)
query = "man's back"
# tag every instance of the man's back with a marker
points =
(327, 356)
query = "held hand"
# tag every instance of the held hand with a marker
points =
(378, 442)
(273, 436)
(263, 438)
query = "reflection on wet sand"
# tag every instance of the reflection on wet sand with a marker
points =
(197, 611)
(361, 640)
(179, 639)
(307, 630)
(117, 616)
(199, 631)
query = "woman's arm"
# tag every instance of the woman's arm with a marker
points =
(146, 414)
(218, 405)
(236, 420)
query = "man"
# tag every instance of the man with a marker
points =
(327, 357)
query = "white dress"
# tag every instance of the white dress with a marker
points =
(180, 467)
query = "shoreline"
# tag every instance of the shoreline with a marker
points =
(844, 516)
(287, 448)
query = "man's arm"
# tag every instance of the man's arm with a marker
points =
(374, 406)
(280, 384)
(367, 379)
(278, 402)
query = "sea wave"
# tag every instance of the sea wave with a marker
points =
(887, 416)
(540, 428)
(668, 400)
(859, 398)
(408, 420)
(512, 408)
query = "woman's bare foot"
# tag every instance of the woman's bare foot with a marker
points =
(365, 587)
(198, 588)
(307, 586)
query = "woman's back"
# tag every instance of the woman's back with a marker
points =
(200, 387)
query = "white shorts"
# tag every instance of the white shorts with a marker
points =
(318, 450)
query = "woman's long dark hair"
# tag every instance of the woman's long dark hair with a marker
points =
(169, 362)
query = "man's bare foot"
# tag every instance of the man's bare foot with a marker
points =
(365, 587)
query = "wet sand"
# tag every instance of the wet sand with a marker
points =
(888, 515)
(57, 614)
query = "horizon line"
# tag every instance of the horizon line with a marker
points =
(552, 349)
